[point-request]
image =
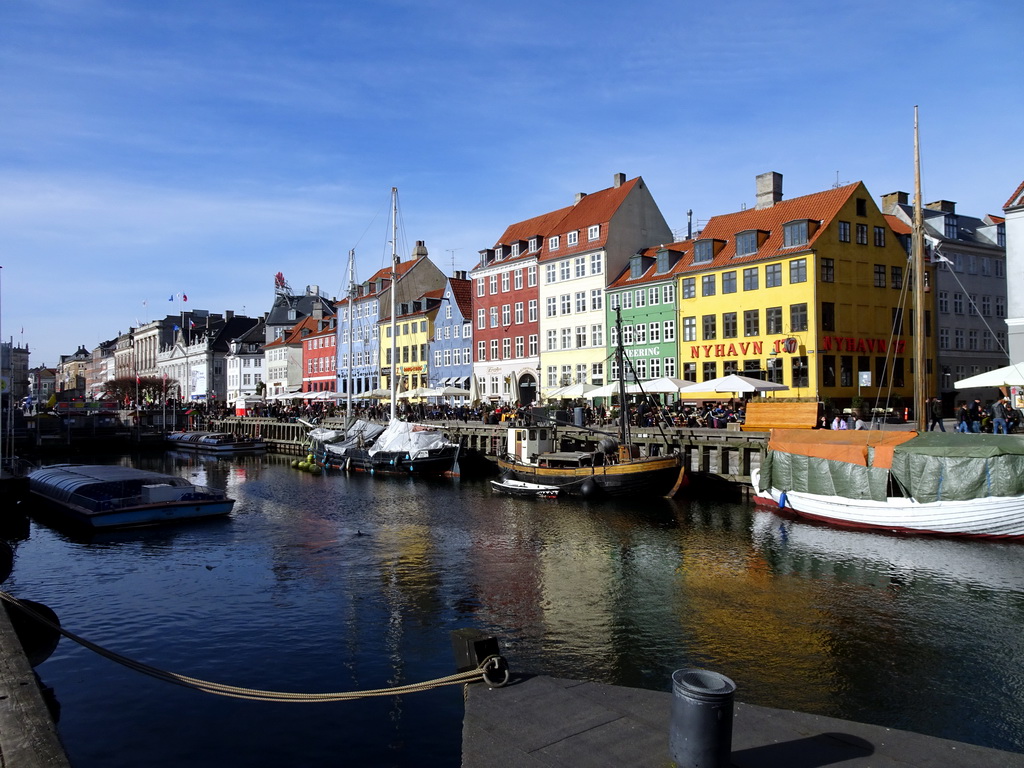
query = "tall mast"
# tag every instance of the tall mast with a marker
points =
(620, 359)
(917, 253)
(351, 316)
(394, 303)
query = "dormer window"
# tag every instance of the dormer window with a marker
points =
(703, 251)
(593, 232)
(572, 238)
(553, 243)
(951, 226)
(664, 263)
(795, 233)
(636, 267)
(515, 250)
(746, 243)
(534, 245)
(498, 252)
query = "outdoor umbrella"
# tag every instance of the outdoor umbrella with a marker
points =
(450, 392)
(606, 390)
(409, 394)
(735, 384)
(1008, 376)
(573, 391)
(666, 385)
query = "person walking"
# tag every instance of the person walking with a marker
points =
(936, 414)
(999, 417)
(976, 413)
(963, 418)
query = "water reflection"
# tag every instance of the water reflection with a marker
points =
(340, 583)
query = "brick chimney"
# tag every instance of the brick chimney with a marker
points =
(893, 199)
(619, 179)
(946, 206)
(420, 251)
(769, 189)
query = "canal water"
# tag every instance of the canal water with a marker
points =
(338, 583)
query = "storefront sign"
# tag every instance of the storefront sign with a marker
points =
(727, 350)
(865, 346)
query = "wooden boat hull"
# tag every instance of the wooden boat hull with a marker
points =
(655, 476)
(989, 517)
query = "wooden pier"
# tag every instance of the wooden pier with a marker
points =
(724, 454)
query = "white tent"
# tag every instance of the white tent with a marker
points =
(573, 391)
(734, 383)
(1008, 376)
(666, 385)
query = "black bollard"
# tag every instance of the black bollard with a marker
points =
(700, 734)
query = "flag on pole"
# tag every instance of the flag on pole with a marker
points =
(184, 297)
(171, 297)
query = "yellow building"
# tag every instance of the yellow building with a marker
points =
(812, 292)
(414, 326)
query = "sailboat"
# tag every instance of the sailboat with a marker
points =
(918, 482)
(402, 447)
(616, 468)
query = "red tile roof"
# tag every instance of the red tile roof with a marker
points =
(1017, 198)
(898, 225)
(595, 208)
(819, 206)
(462, 293)
(651, 274)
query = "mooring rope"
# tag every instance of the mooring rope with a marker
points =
(492, 664)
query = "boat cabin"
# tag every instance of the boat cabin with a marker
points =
(525, 444)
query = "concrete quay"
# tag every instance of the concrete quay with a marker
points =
(541, 722)
(28, 734)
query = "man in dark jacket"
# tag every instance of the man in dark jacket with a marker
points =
(936, 413)
(976, 413)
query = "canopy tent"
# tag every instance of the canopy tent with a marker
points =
(573, 391)
(1008, 376)
(733, 383)
(375, 394)
(418, 392)
(449, 392)
(666, 385)
(605, 390)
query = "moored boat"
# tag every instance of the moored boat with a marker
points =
(215, 442)
(527, 490)
(409, 448)
(616, 468)
(612, 469)
(111, 496)
(928, 483)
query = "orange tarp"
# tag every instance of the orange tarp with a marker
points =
(850, 446)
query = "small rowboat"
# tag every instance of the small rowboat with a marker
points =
(521, 488)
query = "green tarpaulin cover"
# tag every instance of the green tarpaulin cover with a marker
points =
(930, 467)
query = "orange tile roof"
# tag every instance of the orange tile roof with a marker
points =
(819, 206)
(898, 225)
(1017, 198)
(651, 274)
(462, 293)
(595, 208)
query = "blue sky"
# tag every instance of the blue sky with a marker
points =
(155, 148)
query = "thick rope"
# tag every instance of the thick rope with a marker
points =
(220, 689)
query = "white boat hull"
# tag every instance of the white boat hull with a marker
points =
(994, 516)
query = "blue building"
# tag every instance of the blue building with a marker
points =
(451, 348)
